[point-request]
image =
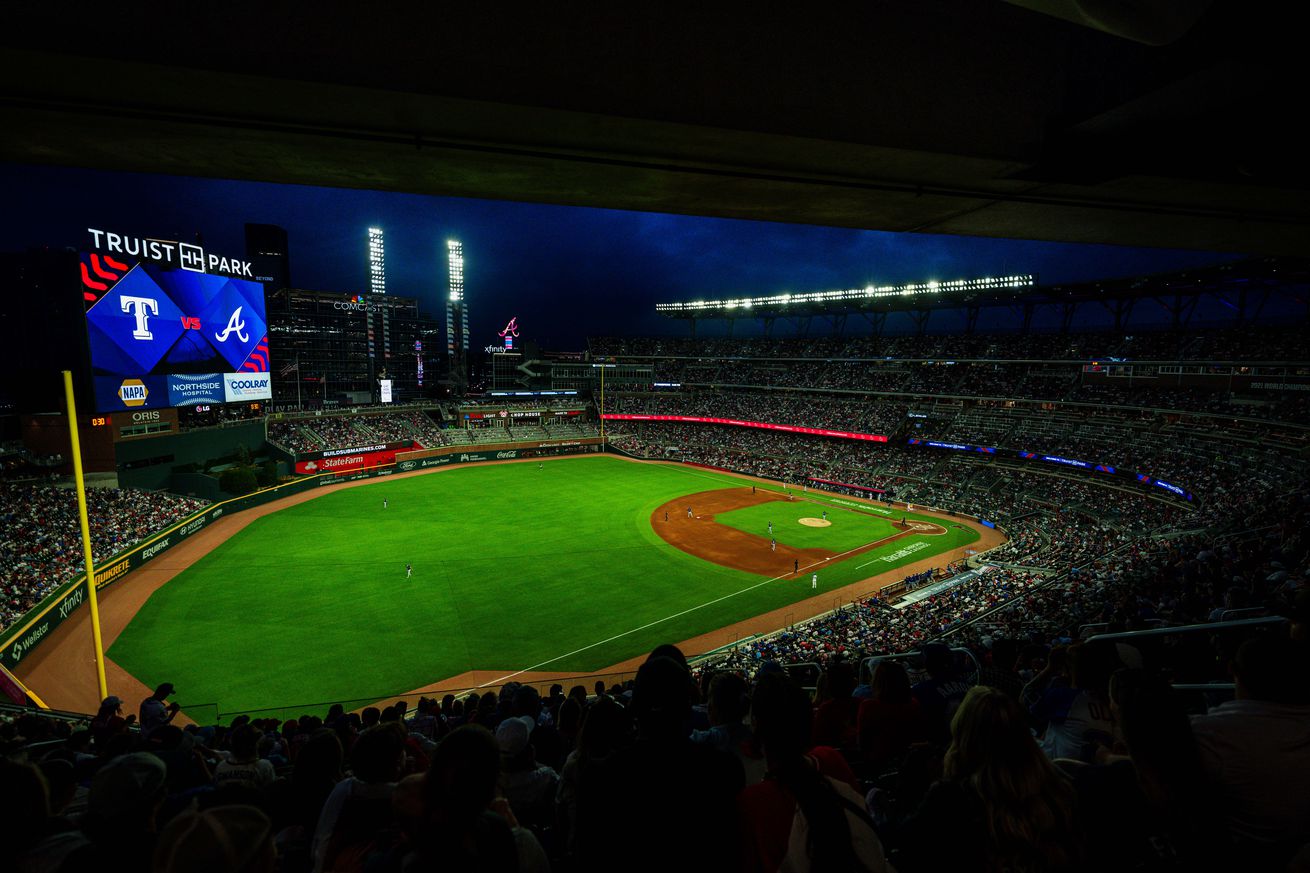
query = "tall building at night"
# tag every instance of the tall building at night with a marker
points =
(267, 252)
(331, 347)
(377, 262)
(457, 317)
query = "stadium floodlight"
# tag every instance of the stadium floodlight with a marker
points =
(377, 268)
(856, 295)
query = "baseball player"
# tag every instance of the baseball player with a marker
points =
(795, 566)
(666, 515)
(770, 527)
(825, 515)
(384, 503)
(814, 581)
(773, 545)
(752, 489)
(688, 512)
(409, 570)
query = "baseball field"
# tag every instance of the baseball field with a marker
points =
(569, 565)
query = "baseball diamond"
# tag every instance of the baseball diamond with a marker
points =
(577, 554)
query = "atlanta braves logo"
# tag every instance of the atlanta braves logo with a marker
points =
(235, 323)
(511, 329)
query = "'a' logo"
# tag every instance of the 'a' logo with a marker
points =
(235, 323)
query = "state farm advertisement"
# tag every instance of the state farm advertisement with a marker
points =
(737, 422)
(346, 463)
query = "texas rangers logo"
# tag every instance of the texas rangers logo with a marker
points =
(234, 324)
(511, 329)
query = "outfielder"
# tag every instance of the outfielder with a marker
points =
(814, 581)
(409, 570)
(384, 503)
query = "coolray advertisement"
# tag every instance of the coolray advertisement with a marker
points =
(147, 322)
(240, 387)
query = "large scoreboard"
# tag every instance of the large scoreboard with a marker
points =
(164, 335)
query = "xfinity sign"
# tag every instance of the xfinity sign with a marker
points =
(238, 387)
(168, 252)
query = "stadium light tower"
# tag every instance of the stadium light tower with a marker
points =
(377, 267)
(457, 314)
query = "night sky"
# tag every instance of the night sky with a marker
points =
(565, 272)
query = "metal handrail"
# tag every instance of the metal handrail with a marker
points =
(1190, 628)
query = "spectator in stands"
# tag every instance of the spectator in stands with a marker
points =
(1001, 805)
(798, 818)
(155, 713)
(836, 710)
(941, 693)
(890, 721)
(244, 766)
(1146, 801)
(222, 839)
(679, 790)
(109, 720)
(296, 802)
(127, 794)
(459, 795)
(356, 816)
(728, 704)
(1069, 697)
(528, 786)
(1257, 747)
(606, 728)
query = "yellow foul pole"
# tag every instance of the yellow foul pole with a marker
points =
(86, 534)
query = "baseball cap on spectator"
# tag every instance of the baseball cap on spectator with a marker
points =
(223, 838)
(125, 784)
(165, 690)
(112, 700)
(513, 733)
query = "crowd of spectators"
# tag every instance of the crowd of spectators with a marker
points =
(1264, 343)
(1041, 367)
(327, 432)
(40, 539)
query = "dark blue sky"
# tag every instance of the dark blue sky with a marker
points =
(566, 272)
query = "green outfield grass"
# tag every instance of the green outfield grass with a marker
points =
(515, 567)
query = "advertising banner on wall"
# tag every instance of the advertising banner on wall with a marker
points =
(195, 389)
(385, 390)
(342, 463)
(239, 387)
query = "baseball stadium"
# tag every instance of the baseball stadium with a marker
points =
(594, 528)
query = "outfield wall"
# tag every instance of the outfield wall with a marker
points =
(28, 632)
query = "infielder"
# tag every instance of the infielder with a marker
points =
(770, 527)
(409, 570)
(814, 581)
(773, 545)
(688, 512)
(384, 503)
(825, 515)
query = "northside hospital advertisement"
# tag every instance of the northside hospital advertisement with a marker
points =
(170, 324)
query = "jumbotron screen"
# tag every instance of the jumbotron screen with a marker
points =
(162, 337)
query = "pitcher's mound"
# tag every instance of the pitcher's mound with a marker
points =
(815, 522)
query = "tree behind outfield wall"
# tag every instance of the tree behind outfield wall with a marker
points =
(238, 480)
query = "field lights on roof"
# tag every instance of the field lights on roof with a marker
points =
(377, 268)
(455, 258)
(870, 292)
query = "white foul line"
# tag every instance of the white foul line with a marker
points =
(509, 676)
